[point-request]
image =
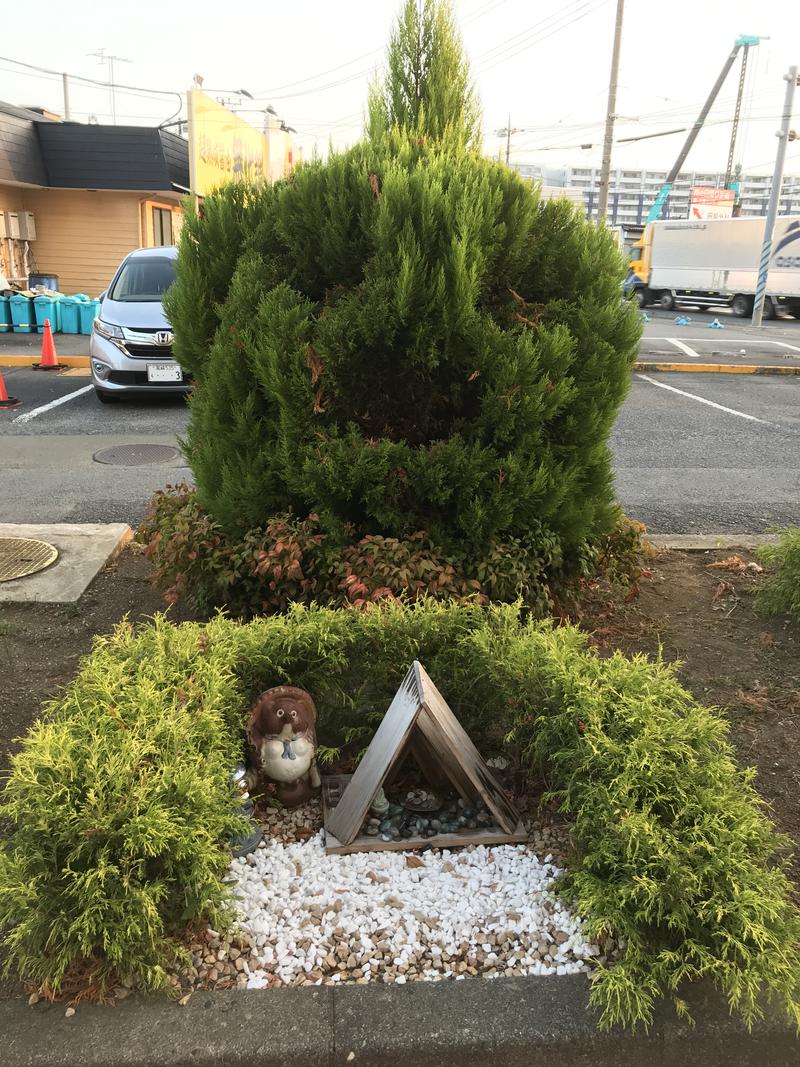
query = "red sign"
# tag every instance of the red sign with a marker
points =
(709, 202)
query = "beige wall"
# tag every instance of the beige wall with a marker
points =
(82, 236)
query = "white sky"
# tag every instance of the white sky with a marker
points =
(546, 62)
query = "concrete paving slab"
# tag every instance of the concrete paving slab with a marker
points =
(29, 345)
(82, 550)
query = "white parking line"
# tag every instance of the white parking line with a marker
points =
(28, 415)
(702, 400)
(727, 341)
(683, 348)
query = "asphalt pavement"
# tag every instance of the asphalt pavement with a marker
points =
(700, 453)
(693, 453)
(734, 341)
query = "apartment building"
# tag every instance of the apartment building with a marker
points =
(632, 192)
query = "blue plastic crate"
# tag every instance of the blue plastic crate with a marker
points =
(88, 311)
(70, 316)
(47, 307)
(23, 316)
(5, 315)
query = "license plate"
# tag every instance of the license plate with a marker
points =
(164, 372)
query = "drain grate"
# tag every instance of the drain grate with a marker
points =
(137, 455)
(21, 556)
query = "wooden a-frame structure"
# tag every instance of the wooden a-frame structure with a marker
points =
(418, 722)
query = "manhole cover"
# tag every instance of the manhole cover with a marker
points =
(20, 556)
(136, 455)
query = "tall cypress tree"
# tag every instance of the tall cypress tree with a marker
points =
(405, 337)
(426, 90)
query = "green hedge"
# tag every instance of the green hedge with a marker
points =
(780, 594)
(674, 853)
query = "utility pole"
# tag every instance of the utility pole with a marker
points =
(506, 132)
(774, 198)
(65, 86)
(109, 61)
(605, 171)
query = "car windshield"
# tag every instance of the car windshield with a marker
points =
(143, 279)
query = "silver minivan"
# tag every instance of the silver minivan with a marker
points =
(131, 342)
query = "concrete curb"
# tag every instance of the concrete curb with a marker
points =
(676, 368)
(513, 1022)
(31, 358)
(715, 368)
(709, 542)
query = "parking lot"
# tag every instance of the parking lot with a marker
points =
(692, 452)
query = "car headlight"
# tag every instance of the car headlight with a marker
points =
(106, 329)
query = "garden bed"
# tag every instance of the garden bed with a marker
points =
(668, 850)
(747, 665)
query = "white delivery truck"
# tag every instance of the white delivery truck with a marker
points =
(714, 263)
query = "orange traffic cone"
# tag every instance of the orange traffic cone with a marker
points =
(49, 358)
(6, 401)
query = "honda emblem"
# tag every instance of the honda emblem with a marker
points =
(163, 337)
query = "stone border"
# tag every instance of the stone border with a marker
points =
(710, 542)
(507, 1022)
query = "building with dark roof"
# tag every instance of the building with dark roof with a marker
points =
(75, 199)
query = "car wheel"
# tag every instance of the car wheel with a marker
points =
(742, 305)
(666, 301)
(104, 397)
(770, 311)
(641, 298)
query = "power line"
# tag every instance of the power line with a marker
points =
(643, 136)
(57, 74)
(536, 35)
(262, 93)
(511, 42)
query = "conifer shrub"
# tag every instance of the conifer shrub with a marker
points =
(119, 800)
(403, 339)
(780, 594)
(118, 804)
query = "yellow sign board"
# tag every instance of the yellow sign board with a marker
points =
(222, 147)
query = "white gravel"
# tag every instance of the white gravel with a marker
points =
(393, 917)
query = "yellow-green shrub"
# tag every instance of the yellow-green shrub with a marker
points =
(120, 800)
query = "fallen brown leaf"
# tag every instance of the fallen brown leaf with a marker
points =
(414, 861)
(723, 588)
(756, 699)
(730, 563)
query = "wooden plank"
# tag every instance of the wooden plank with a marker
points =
(387, 745)
(448, 737)
(442, 753)
(437, 741)
(364, 843)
